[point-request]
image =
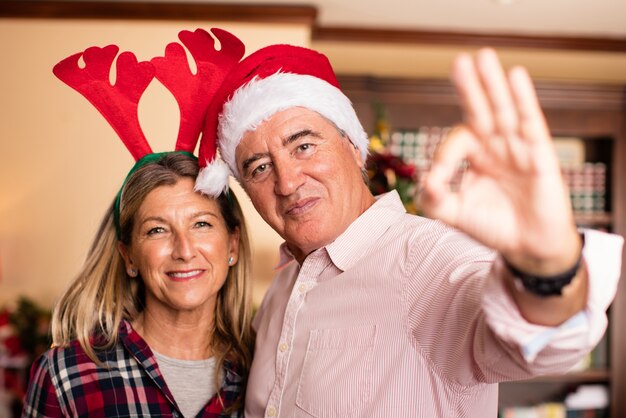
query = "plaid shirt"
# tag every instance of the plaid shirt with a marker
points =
(65, 382)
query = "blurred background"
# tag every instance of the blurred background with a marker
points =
(61, 163)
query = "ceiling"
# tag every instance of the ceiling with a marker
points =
(594, 23)
(579, 41)
(577, 18)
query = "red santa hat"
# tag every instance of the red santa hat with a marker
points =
(272, 79)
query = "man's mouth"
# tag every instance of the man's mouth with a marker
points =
(301, 206)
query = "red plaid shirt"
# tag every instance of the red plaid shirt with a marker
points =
(64, 382)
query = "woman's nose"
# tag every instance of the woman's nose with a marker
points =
(183, 247)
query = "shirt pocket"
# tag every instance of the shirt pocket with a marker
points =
(336, 378)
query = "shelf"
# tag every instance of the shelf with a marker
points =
(593, 219)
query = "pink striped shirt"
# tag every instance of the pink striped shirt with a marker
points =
(402, 316)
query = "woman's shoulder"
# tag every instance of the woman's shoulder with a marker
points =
(70, 354)
(49, 366)
(76, 352)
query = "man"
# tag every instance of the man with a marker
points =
(376, 313)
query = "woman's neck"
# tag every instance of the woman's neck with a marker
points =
(176, 337)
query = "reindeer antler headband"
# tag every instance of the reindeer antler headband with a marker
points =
(119, 103)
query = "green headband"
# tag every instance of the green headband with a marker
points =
(143, 161)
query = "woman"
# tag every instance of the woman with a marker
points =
(157, 322)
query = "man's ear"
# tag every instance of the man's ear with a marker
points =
(356, 152)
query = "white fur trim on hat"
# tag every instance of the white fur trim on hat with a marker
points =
(213, 179)
(259, 99)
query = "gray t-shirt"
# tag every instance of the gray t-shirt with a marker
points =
(192, 382)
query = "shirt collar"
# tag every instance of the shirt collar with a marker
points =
(286, 256)
(360, 235)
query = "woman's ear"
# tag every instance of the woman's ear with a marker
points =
(233, 244)
(128, 263)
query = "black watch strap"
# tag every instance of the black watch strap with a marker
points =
(547, 285)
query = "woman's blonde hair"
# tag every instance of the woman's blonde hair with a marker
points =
(103, 294)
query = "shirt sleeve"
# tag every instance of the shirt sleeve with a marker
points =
(540, 346)
(464, 322)
(41, 399)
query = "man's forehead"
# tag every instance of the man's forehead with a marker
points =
(282, 126)
(289, 119)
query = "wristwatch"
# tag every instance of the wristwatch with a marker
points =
(547, 285)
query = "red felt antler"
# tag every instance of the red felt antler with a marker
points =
(194, 92)
(118, 103)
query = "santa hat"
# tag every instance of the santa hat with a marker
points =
(272, 79)
(119, 103)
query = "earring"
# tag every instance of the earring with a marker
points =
(132, 272)
(230, 261)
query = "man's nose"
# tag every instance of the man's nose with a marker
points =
(288, 176)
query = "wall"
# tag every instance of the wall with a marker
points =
(433, 61)
(61, 164)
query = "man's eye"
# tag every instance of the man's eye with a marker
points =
(305, 148)
(260, 169)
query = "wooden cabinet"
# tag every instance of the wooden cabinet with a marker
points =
(592, 112)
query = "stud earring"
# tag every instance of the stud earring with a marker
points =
(230, 261)
(132, 272)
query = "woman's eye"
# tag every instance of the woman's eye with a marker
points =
(203, 224)
(155, 230)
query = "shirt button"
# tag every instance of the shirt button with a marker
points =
(302, 288)
(271, 411)
(283, 347)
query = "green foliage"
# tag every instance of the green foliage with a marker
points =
(32, 326)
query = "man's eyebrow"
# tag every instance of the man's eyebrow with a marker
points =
(297, 135)
(288, 140)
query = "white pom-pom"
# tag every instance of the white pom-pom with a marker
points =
(213, 179)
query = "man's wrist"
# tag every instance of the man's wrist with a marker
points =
(544, 286)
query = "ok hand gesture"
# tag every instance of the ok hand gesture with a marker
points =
(512, 197)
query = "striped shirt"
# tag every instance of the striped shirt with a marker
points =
(64, 382)
(402, 316)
